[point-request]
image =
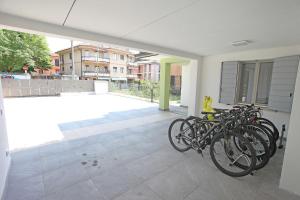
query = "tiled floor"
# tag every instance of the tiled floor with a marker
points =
(134, 163)
(131, 163)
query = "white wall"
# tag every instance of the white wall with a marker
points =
(211, 73)
(290, 176)
(4, 160)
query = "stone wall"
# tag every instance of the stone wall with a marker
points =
(38, 87)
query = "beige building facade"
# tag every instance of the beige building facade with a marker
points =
(94, 63)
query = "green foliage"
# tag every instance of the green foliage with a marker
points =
(141, 89)
(18, 49)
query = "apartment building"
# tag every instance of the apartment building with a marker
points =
(148, 71)
(92, 62)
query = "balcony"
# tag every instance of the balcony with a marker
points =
(101, 73)
(133, 64)
(134, 76)
(95, 59)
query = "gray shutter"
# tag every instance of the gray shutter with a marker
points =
(228, 82)
(283, 83)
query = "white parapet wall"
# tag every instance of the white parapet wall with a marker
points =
(41, 87)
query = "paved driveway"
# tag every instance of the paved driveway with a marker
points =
(39, 120)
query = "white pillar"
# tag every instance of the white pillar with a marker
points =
(194, 105)
(290, 175)
(185, 85)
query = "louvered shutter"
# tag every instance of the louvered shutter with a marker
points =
(283, 83)
(229, 73)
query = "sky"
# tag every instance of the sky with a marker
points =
(56, 44)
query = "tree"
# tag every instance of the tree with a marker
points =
(18, 49)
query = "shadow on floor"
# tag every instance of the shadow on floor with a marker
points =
(110, 117)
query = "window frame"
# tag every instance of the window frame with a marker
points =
(255, 81)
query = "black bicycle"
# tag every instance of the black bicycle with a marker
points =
(240, 139)
(223, 136)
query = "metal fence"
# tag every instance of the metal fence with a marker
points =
(145, 90)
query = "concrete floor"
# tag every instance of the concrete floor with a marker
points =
(134, 161)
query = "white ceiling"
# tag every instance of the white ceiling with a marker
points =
(202, 27)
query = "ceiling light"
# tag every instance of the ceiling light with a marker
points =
(240, 43)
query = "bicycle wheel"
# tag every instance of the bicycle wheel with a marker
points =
(225, 154)
(260, 146)
(266, 122)
(274, 149)
(265, 133)
(180, 135)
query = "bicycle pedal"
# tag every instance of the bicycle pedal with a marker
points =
(200, 152)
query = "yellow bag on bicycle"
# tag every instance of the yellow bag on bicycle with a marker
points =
(207, 107)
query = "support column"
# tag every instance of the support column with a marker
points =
(194, 106)
(290, 176)
(185, 85)
(164, 84)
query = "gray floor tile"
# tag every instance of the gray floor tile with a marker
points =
(85, 190)
(20, 171)
(99, 164)
(175, 184)
(24, 156)
(28, 189)
(114, 182)
(63, 177)
(142, 192)
(148, 166)
(91, 150)
(55, 161)
(54, 148)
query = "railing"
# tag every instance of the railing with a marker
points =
(95, 59)
(94, 73)
(132, 75)
(132, 64)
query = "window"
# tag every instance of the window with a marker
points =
(270, 83)
(56, 62)
(114, 56)
(71, 67)
(122, 57)
(62, 59)
(247, 82)
(106, 55)
(87, 67)
(70, 55)
(255, 82)
(264, 83)
(115, 69)
(63, 68)
(122, 69)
